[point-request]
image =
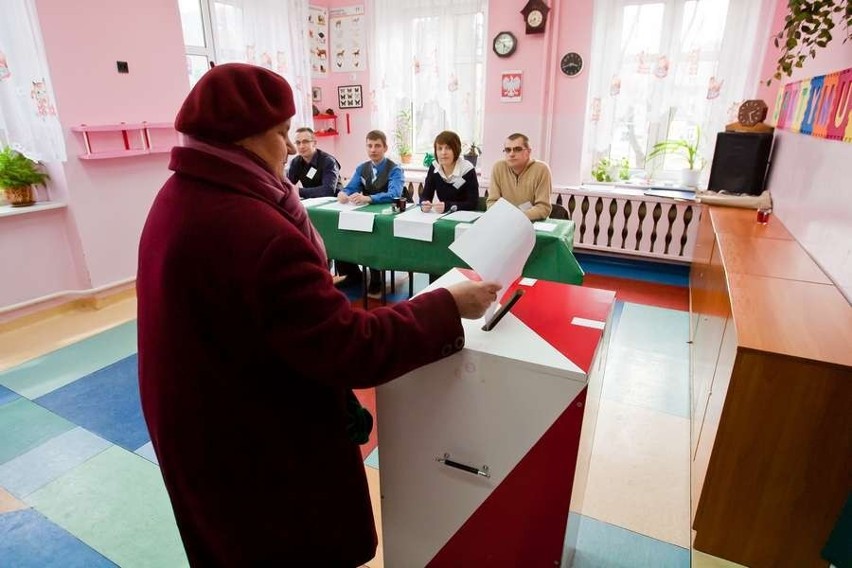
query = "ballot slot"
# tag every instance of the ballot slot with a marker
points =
(504, 309)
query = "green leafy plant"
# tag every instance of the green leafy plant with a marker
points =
(688, 149)
(473, 149)
(600, 170)
(402, 133)
(16, 170)
(808, 26)
(428, 159)
(624, 169)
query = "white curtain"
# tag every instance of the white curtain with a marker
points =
(28, 115)
(272, 34)
(661, 68)
(427, 58)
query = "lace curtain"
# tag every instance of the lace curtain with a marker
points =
(272, 34)
(661, 68)
(28, 119)
(427, 62)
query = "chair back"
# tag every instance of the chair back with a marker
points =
(558, 212)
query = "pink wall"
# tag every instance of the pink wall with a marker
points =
(809, 180)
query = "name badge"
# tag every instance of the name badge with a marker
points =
(311, 173)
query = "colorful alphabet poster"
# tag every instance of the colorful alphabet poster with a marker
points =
(819, 106)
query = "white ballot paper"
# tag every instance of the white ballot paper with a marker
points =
(497, 246)
(314, 201)
(338, 206)
(356, 221)
(463, 216)
(415, 224)
(546, 227)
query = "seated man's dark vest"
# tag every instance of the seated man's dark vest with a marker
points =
(379, 184)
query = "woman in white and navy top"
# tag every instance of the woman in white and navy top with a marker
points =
(451, 177)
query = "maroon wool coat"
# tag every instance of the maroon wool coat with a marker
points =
(246, 352)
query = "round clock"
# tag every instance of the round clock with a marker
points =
(571, 64)
(752, 112)
(505, 44)
(535, 18)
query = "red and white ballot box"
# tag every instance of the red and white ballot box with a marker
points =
(479, 450)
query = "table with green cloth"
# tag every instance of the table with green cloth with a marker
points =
(551, 259)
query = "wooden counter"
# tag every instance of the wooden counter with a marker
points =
(772, 394)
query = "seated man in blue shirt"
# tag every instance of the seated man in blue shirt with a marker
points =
(317, 172)
(378, 180)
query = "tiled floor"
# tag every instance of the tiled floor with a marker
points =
(79, 485)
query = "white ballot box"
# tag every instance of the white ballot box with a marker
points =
(478, 451)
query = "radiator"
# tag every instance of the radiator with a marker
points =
(620, 220)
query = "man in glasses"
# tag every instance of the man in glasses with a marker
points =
(521, 180)
(317, 172)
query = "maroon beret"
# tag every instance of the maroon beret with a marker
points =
(234, 101)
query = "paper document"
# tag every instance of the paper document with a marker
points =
(463, 216)
(544, 227)
(415, 224)
(314, 201)
(337, 206)
(461, 228)
(497, 245)
(356, 221)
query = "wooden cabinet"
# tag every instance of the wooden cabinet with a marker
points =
(772, 396)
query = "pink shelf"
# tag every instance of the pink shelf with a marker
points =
(123, 139)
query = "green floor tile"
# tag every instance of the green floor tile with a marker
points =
(117, 504)
(25, 425)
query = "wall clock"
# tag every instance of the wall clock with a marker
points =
(571, 64)
(752, 112)
(535, 16)
(505, 44)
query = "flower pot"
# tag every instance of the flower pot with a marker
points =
(21, 196)
(689, 178)
(405, 159)
(471, 158)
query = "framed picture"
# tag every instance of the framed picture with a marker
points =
(511, 86)
(349, 96)
(316, 94)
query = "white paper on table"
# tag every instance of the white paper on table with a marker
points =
(415, 224)
(463, 216)
(461, 228)
(356, 221)
(497, 246)
(545, 227)
(338, 206)
(314, 201)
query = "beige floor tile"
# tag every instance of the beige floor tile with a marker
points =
(9, 502)
(376, 498)
(639, 472)
(36, 339)
(701, 560)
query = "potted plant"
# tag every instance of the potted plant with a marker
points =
(472, 153)
(687, 149)
(601, 170)
(402, 136)
(18, 175)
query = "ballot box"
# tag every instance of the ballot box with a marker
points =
(477, 452)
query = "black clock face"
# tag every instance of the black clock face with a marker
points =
(505, 44)
(572, 64)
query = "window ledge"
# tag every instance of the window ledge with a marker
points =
(9, 211)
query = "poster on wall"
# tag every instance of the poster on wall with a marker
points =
(348, 45)
(511, 85)
(349, 96)
(318, 40)
(820, 106)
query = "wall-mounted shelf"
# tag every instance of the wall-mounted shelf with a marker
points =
(125, 139)
(325, 125)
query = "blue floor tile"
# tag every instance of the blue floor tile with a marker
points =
(63, 366)
(646, 271)
(147, 452)
(7, 395)
(373, 459)
(105, 402)
(32, 541)
(601, 545)
(52, 459)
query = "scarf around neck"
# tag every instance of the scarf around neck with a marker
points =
(264, 184)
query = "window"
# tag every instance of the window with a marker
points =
(428, 62)
(268, 33)
(665, 70)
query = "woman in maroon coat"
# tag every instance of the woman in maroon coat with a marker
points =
(247, 352)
